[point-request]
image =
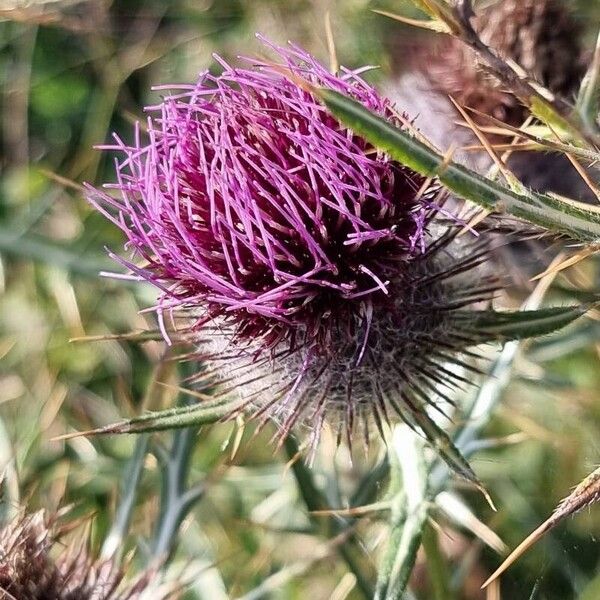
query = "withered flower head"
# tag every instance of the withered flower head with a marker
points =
(541, 36)
(37, 564)
(544, 38)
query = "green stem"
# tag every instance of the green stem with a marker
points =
(113, 544)
(437, 568)
(314, 500)
(410, 507)
(177, 498)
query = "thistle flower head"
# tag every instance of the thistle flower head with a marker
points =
(36, 564)
(251, 201)
(305, 255)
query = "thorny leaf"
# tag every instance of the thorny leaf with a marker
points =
(515, 325)
(173, 418)
(446, 449)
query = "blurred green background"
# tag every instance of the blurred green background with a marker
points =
(70, 73)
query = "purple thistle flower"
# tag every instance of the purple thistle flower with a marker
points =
(303, 257)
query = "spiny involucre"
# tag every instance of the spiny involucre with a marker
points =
(314, 272)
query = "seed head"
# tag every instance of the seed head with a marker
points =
(309, 264)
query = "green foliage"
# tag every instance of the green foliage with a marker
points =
(245, 519)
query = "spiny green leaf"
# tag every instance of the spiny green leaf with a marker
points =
(172, 418)
(516, 325)
(446, 449)
(575, 219)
